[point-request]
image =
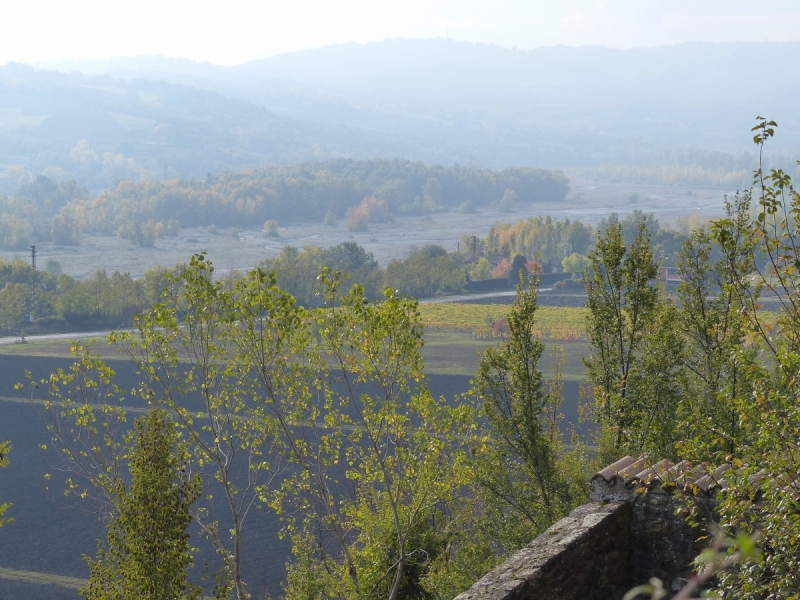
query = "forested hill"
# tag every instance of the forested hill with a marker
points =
(437, 101)
(100, 130)
(370, 190)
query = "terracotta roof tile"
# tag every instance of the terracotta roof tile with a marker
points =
(683, 475)
(626, 475)
(614, 470)
(656, 473)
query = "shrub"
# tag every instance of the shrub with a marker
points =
(357, 218)
(53, 267)
(271, 228)
(508, 201)
(502, 269)
(575, 263)
(15, 233)
(64, 231)
(371, 210)
(466, 208)
(480, 270)
(142, 234)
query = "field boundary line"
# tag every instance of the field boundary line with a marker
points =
(130, 409)
(36, 577)
(60, 580)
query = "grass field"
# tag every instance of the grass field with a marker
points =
(455, 335)
(456, 353)
(60, 348)
(555, 323)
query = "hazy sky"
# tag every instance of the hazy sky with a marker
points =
(233, 31)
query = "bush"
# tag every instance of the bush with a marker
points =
(64, 231)
(480, 270)
(508, 201)
(53, 267)
(15, 233)
(371, 210)
(271, 228)
(575, 263)
(420, 206)
(466, 208)
(142, 234)
(356, 219)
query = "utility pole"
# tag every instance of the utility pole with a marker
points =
(35, 295)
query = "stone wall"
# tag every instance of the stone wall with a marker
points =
(631, 531)
(662, 543)
(584, 556)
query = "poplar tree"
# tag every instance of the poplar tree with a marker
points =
(635, 349)
(517, 464)
(147, 552)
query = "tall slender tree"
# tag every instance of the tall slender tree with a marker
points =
(517, 467)
(147, 553)
(716, 353)
(634, 346)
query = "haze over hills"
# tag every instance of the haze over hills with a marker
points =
(438, 101)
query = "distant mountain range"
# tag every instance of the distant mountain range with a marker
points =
(437, 101)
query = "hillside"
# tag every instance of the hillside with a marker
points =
(436, 101)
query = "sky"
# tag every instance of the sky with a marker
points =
(233, 31)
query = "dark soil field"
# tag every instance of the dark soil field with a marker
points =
(50, 533)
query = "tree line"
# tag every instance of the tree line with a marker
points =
(60, 302)
(54, 301)
(45, 210)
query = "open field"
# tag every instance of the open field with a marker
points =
(588, 202)
(559, 324)
(445, 352)
(456, 353)
(455, 335)
(41, 555)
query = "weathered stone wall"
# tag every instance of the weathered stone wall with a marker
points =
(584, 556)
(631, 531)
(663, 544)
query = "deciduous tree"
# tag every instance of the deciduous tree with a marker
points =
(517, 462)
(634, 347)
(147, 553)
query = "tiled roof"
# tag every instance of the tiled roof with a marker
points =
(641, 472)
